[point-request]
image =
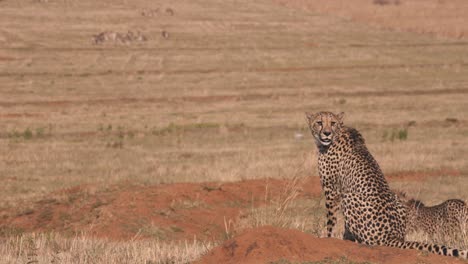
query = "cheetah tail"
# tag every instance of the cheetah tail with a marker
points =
(437, 249)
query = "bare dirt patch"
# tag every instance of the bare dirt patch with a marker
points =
(166, 211)
(267, 244)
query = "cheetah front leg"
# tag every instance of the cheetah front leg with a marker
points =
(347, 235)
(332, 203)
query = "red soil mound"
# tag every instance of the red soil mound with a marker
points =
(267, 244)
(167, 211)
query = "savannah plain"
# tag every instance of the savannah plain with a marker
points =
(168, 147)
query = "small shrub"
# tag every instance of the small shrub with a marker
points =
(174, 128)
(40, 132)
(403, 134)
(411, 123)
(211, 188)
(116, 144)
(176, 229)
(395, 134)
(6, 231)
(187, 204)
(451, 120)
(27, 134)
(153, 231)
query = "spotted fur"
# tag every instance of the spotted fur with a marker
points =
(448, 219)
(353, 182)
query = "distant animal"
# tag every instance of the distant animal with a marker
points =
(116, 37)
(352, 181)
(386, 2)
(447, 219)
(149, 12)
(105, 36)
(170, 11)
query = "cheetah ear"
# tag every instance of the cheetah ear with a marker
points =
(340, 117)
(310, 116)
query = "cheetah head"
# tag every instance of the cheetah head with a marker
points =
(325, 126)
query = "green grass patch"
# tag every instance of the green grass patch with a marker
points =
(392, 135)
(175, 128)
(29, 133)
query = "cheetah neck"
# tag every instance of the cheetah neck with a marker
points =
(349, 164)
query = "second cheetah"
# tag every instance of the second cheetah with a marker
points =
(447, 219)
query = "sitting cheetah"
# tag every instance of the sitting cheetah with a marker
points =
(447, 219)
(352, 180)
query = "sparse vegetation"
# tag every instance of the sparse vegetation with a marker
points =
(395, 134)
(29, 133)
(173, 128)
(304, 215)
(51, 248)
(188, 204)
(286, 211)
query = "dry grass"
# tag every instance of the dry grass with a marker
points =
(286, 211)
(307, 215)
(442, 18)
(435, 190)
(53, 248)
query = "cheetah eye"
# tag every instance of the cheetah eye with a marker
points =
(319, 123)
(333, 123)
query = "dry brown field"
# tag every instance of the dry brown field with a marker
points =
(439, 18)
(152, 131)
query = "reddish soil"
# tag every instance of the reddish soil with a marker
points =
(168, 211)
(267, 244)
(6, 58)
(19, 115)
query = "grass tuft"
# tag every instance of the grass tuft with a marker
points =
(53, 248)
(400, 134)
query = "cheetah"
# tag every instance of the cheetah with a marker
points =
(447, 219)
(352, 181)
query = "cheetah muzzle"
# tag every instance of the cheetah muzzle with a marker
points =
(324, 128)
